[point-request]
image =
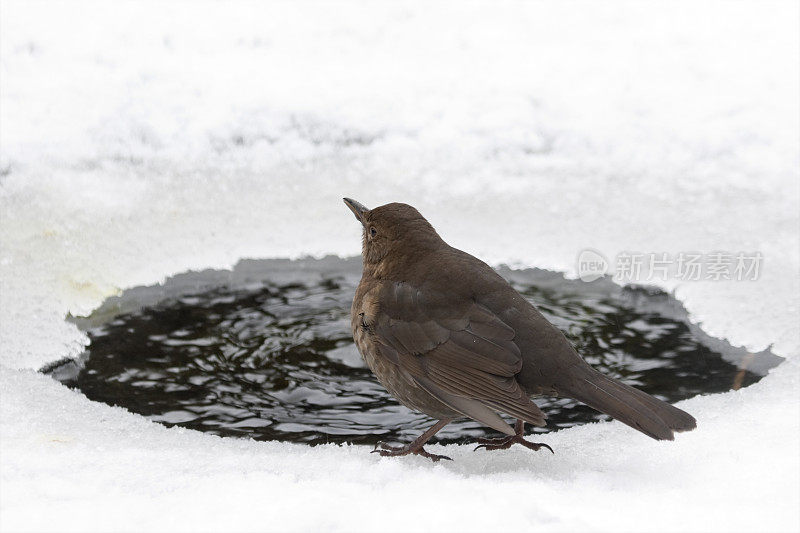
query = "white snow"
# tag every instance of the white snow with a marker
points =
(139, 140)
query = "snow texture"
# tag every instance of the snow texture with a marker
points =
(142, 139)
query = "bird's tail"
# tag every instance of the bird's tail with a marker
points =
(633, 407)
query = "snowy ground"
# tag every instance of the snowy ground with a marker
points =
(140, 140)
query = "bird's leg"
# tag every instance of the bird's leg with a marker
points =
(504, 443)
(415, 447)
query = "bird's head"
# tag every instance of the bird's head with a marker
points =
(394, 231)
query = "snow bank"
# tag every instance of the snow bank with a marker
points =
(140, 140)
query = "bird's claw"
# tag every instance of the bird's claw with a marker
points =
(432, 456)
(384, 450)
(503, 443)
(380, 445)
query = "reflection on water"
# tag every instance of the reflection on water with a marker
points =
(266, 352)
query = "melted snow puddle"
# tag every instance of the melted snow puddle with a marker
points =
(264, 351)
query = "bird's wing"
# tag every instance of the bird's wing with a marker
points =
(464, 355)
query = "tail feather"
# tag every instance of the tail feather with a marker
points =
(651, 416)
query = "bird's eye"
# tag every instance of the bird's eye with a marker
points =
(373, 231)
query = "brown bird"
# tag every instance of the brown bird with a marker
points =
(449, 337)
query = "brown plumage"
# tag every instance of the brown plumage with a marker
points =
(449, 337)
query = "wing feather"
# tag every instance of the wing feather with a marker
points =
(464, 356)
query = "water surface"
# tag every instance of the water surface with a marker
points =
(265, 352)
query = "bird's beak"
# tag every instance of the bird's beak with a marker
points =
(358, 210)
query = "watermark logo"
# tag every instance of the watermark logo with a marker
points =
(684, 266)
(592, 265)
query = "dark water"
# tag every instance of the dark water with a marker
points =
(265, 352)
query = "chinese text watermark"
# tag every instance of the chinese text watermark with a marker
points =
(684, 266)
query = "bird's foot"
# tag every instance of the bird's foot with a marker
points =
(503, 443)
(384, 450)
